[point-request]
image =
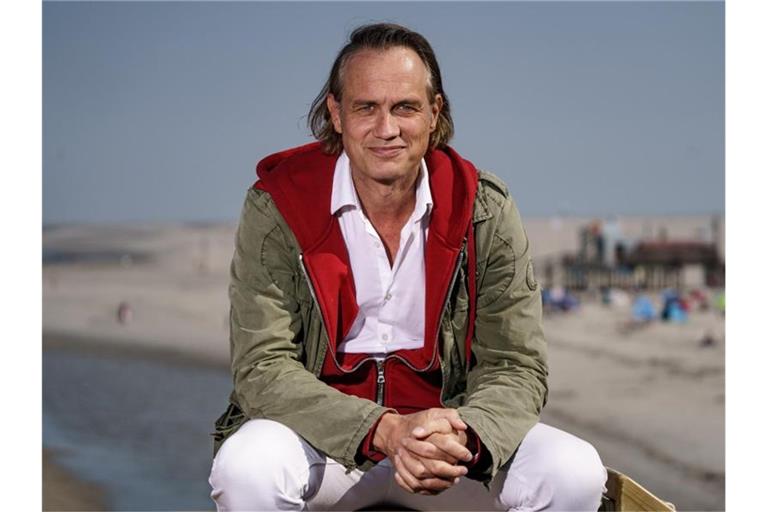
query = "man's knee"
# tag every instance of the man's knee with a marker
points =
(579, 472)
(575, 473)
(262, 465)
(562, 471)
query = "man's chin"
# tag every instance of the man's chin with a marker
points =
(389, 172)
(386, 170)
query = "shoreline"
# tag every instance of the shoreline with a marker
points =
(130, 348)
(64, 490)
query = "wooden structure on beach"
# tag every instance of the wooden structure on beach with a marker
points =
(647, 264)
(624, 494)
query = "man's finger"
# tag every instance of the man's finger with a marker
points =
(441, 416)
(452, 415)
(457, 422)
(424, 468)
(431, 484)
(404, 478)
(432, 426)
(437, 485)
(450, 445)
(428, 450)
(413, 465)
(401, 482)
(444, 471)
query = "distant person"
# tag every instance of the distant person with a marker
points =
(124, 313)
(386, 323)
(643, 310)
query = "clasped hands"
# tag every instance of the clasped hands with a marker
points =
(425, 448)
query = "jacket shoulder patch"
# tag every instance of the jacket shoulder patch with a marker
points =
(494, 181)
(491, 194)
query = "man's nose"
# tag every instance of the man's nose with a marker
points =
(386, 126)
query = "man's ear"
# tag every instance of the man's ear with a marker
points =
(436, 107)
(334, 107)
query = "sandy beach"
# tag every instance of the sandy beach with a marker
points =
(64, 491)
(650, 399)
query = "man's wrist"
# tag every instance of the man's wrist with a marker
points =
(383, 430)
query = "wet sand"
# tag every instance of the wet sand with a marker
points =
(135, 426)
(650, 400)
(62, 490)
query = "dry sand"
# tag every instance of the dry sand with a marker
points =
(651, 400)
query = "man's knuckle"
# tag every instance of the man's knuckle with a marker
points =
(444, 468)
(438, 485)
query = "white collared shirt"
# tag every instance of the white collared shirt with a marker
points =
(391, 299)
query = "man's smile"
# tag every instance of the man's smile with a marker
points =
(386, 151)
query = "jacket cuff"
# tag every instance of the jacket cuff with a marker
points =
(475, 446)
(481, 459)
(366, 449)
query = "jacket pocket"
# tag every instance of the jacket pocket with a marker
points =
(459, 310)
(303, 295)
(459, 296)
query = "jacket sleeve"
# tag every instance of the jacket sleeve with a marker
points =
(266, 341)
(507, 386)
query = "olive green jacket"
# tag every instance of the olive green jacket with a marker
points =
(278, 343)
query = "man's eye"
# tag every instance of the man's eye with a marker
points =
(406, 108)
(364, 108)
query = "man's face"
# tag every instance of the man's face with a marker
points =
(384, 116)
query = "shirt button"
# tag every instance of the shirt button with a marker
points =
(377, 245)
(384, 337)
(388, 296)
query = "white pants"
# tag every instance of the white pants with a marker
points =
(266, 466)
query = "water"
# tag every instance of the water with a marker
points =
(61, 256)
(137, 428)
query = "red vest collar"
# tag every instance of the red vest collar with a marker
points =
(300, 181)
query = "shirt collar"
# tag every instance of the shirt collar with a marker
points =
(344, 193)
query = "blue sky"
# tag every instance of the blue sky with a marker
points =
(159, 111)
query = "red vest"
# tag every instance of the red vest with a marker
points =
(300, 181)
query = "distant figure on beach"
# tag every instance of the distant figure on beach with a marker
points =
(124, 313)
(707, 340)
(386, 332)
